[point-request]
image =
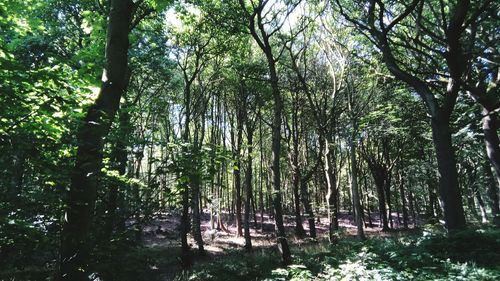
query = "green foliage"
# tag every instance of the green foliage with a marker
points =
(466, 255)
(234, 266)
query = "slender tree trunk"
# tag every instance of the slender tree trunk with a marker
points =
(296, 173)
(248, 190)
(430, 210)
(331, 195)
(75, 248)
(185, 224)
(237, 176)
(308, 208)
(261, 177)
(195, 205)
(355, 191)
(482, 207)
(276, 149)
(387, 193)
(368, 208)
(254, 207)
(411, 206)
(196, 182)
(299, 229)
(403, 200)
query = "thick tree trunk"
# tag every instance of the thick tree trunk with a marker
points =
(492, 192)
(75, 248)
(430, 210)
(448, 177)
(119, 158)
(379, 183)
(491, 140)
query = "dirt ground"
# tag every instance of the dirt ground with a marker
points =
(164, 231)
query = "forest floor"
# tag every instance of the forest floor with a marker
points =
(162, 235)
(422, 253)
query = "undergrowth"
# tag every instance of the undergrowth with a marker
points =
(472, 254)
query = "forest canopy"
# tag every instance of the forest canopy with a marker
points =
(249, 140)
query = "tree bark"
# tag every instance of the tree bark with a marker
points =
(490, 129)
(403, 200)
(276, 149)
(448, 177)
(75, 248)
(355, 191)
(331, 197)
(248, 190)
(237, 172)
(492, 192)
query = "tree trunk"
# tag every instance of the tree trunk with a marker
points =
(185, 224)
(490, 127)
(308, 208)
(75, 248)
(237, 175)
(248, 190)
(387, 193)
(197, 182)
(195, 204)
(492, 192)
(261, 178)
(368, 208)
(379, 182)
(355, 191)
(482, 207)
(299, 229)
(331, 195)
(448, 177)
(411, 206)
(276, 149)
(403, 201)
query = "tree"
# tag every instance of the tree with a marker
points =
(397, 30)
(81, 201)
(256, 25)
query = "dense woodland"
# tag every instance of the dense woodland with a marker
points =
(249, 140)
